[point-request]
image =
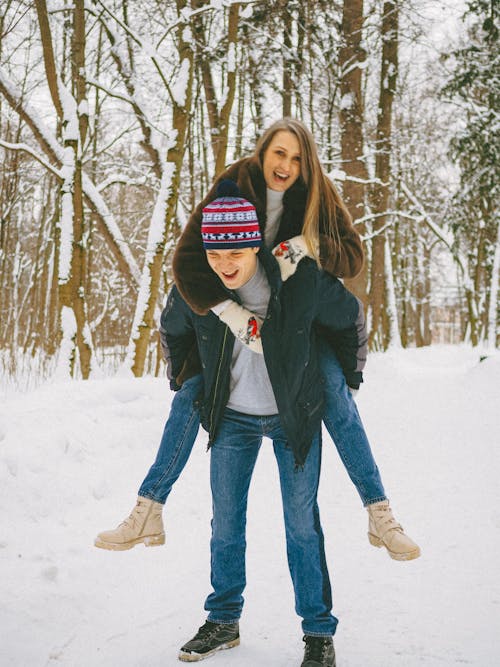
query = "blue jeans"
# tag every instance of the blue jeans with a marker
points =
(232, 460)
(340, 417)
(343, 423)
(176, 443)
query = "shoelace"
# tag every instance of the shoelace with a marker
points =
(315, 648)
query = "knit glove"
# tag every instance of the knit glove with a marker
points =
(289, 253)
(243, 324)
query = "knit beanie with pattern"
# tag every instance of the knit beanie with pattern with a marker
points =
(230, 221)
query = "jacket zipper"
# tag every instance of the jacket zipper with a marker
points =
(214, 401)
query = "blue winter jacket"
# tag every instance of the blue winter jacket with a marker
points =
(310, 303)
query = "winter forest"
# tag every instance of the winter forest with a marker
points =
(117, 116)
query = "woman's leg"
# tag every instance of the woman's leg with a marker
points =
(144, 525)
(304, 536)
(176, 443)
(343, 423)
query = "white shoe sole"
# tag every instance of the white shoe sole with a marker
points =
(195, 657)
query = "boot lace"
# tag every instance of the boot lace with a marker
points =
(315, 648)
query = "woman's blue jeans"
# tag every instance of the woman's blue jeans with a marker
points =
(340, 417)
(232, 460)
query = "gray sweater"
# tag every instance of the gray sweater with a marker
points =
(250, 387)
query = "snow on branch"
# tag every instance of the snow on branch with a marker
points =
(55, 152)
(44, 136)
(341, 175)
(30, 151)
(108, 91)
(442, 234)
(113, 179)
(143, 43)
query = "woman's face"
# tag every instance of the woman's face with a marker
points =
(281, 163)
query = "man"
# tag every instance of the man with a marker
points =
(248, 395)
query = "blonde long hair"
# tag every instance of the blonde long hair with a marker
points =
(324, 204)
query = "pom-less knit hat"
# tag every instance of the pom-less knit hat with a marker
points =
(229, 221)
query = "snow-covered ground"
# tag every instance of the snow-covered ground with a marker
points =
(71, 459)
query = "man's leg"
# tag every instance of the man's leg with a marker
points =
(343, 423)
(144, 525)
(232, 460)
(304, 536)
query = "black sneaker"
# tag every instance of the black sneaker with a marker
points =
(209, 639)
(319, 652)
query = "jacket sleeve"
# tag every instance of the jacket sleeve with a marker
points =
(349, 261)
(342, 323)
(177, 336)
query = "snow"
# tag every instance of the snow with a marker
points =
(231, 57)
(69, 330)
(70, 120)
(67, 214)
(179, 89)
(72, 455)
(347, 101)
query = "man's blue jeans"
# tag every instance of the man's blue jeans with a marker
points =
(232, 460)
(340, 417)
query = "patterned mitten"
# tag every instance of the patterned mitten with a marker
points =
(289, 253)
(243, 324)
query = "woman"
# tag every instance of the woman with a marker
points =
(300, 212)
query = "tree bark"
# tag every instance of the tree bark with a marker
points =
(351, 59)
(380, 191)
(166, 206)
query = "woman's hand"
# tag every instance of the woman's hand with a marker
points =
(243, 324)
(289, 253)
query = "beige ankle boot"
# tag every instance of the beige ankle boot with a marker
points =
(143, 525)
(384, 530)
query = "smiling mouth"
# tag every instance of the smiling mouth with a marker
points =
(280, 177)
(230, 276)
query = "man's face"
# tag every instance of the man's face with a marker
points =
(281, 163)
(234, 266)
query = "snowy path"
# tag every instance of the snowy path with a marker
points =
(71, 459)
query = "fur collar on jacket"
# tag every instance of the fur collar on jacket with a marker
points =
(199, 285)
